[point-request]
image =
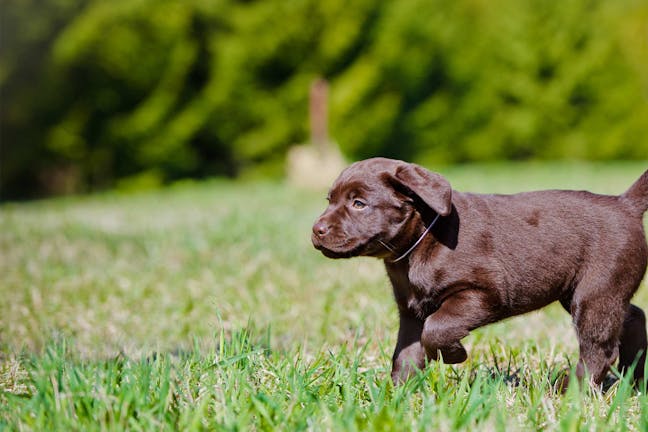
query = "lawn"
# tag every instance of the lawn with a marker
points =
(203, 306)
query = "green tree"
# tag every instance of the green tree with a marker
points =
(96, 93)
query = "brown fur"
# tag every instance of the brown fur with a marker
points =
(490, 257)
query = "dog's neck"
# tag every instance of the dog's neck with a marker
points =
(419, 222)
(420, 239)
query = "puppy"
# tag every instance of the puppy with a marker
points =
(458, 261)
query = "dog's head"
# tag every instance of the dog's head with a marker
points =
(371, 204)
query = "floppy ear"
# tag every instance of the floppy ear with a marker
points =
(431, 188)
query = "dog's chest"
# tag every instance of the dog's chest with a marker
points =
(421, 306)
(419, 299)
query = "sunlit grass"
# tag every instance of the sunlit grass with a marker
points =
(205, 306)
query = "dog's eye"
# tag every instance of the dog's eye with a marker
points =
(359, 205)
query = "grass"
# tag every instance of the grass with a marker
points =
(204, 307)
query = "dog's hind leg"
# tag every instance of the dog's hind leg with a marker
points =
(633, 343)
(598, 319)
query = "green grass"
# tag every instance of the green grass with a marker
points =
(204, 307)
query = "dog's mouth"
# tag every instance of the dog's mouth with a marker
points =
(345, 248)
(348, 248)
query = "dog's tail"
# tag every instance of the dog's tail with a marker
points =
(637, 194)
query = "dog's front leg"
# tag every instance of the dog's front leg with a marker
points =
(409, 355)
(455, 318)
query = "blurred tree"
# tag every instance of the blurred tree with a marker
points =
(29, 94)
(469, 81)
(142, 92)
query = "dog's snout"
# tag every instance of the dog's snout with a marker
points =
(320, 228)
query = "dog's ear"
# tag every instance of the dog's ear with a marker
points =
(431, 188)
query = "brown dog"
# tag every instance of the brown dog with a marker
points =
(458, 261)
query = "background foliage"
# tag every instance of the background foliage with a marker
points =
(142, 92)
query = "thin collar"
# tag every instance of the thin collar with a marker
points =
(420, 239)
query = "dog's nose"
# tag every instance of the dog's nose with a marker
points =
(320, 229)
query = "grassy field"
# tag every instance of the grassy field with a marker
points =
(204, 307)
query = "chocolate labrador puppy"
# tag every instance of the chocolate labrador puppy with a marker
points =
(458, 261)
